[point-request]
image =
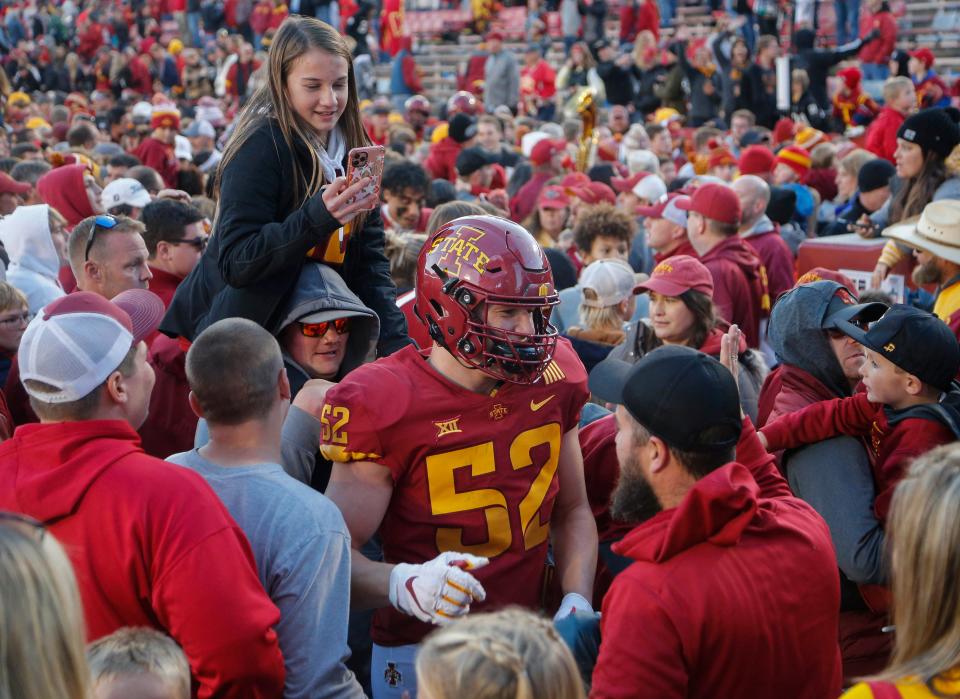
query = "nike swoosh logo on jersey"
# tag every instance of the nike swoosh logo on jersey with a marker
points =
(535, 406)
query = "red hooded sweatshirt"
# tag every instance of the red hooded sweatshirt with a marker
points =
(159, 155)
(739, 287)
(441, 160)
(730, 589)
(882, 133)
(62, 188)
(893, 437)
(152, 545)
(777, 260)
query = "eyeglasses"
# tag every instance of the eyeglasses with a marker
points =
(105, 221)
(200, 242)
(35, 526)
(17, 319)
(341, 325)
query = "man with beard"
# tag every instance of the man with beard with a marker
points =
(935, 240)
(734, 579)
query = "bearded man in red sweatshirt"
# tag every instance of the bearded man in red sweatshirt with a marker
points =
(734, 579)
(739, 282)
(150, 542)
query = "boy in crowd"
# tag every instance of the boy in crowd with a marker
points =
(900, 99)
(404, 189)
(603, 232)
(909, 406)
(138, 662)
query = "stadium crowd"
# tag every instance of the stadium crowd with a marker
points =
(559, 406)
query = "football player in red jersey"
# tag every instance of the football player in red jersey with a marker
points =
(466, 449)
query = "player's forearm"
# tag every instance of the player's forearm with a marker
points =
(369, 583)
(575, 546)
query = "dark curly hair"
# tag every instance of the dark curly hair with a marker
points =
(605, 220)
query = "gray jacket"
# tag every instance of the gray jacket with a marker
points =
(501, 80)
(834, 475)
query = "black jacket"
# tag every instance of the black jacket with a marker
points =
(818, 62)
(618, 82)
(260, 242)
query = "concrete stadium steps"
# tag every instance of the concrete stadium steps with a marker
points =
(934, 24)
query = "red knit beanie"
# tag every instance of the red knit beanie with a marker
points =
(796, 158)
(755, 160)
(784, 130)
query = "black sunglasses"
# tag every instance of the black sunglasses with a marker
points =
(105, 221)
(200, 242)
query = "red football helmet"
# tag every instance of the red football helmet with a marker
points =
(474, 261)
(463, 101)
(417, 103)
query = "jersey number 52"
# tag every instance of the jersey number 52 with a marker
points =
(446, 499)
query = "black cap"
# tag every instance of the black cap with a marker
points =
(843, 308)
(472, 159)
(754, 137)
(782, 206)
(875, 174)
(685, 397)
(462, 127)
(916, 341)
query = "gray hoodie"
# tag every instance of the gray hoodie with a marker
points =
(834, 475)
(34, 263)
(322, 295)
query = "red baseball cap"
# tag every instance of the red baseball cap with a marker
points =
(677, 274)
(595, 193)
(8, 185)
(574, 180)
(626, 184)
(925, 56)
(553, 197)
(546, 149)
(717, 202)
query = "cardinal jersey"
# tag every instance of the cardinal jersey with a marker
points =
(471, 472)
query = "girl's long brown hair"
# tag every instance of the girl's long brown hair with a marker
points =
(917, 192)
(296, 36)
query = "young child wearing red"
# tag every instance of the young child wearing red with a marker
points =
(910, 405)
(852, 106)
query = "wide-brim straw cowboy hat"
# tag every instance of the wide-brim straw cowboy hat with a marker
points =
(936, 230)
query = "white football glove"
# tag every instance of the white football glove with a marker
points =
(572, 602)
(437, 591)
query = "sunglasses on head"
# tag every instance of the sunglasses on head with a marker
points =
(24, 522)
(105, 221)
(341, 325)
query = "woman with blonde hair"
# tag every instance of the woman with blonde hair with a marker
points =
(284, 198)
(606, 305)
(41, 619)
(510, 654)
(924, 538)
